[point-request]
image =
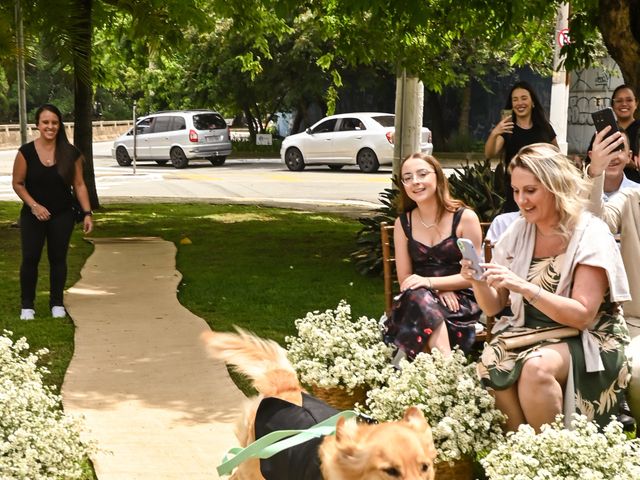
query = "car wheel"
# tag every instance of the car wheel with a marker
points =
(336, 167)
(122, 157)
(178, 158)
(294, 160)
(162, 162)
(367, 160)
(217, 161)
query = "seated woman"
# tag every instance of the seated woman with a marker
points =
(436, 308)
(559, 265)
(621, 212)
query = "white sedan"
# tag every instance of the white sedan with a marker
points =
(363, 139)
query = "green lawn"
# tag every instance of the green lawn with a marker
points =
(256, 267)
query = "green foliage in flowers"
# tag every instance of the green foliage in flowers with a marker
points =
(461, 413)
(480, 187)
(557, 453)
(332, 350)
(368, 256)
(37, 440)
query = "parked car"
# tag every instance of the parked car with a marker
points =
(176, 136)
(363, 139)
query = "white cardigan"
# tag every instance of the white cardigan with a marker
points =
(591, 244)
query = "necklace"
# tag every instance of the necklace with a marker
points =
(431, 225)
(546, 235)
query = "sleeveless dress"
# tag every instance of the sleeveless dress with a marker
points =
(597, 394)
(416, 313)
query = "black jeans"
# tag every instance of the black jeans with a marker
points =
(33, 233)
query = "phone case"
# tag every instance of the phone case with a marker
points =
(604, 118)
(469, 252)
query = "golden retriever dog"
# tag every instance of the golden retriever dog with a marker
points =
(401, 450)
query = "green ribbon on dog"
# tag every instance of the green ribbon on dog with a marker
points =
(278, 441)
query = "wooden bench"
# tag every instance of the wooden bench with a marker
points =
(390, 277)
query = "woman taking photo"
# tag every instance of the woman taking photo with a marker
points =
(526, 124)
(44, 173)
(436, 308)
(559, 266)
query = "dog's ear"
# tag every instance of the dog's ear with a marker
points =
(415, 418)
(350, 454)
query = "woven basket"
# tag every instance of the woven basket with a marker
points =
(458, 470)
(339, 398)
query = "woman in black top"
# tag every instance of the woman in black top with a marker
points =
(526, 125)
(44, 173)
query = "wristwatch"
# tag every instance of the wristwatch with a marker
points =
(88, 213)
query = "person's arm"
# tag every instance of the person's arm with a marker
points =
(82, 194)
(401, 252)
(495, 142)
(18, 180)
(579, 310)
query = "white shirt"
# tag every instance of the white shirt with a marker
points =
(626, 183)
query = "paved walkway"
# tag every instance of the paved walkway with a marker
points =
(158, 407)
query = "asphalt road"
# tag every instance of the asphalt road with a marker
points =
(253, 180)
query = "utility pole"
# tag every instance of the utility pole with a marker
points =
(559, 110)
(22, 94)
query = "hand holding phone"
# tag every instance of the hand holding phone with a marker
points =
(469, 253)
(604, 118)
(506, 113)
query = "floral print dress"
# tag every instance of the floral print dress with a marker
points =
(597, 394)
(416, 313)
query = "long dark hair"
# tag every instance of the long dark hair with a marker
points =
(443, 197)
(624, 86)
(538, 114)
(65, 154)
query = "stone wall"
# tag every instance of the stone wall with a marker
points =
(102, 131)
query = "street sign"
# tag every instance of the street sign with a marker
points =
(563, 37)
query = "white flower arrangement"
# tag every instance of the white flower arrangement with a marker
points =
(461, 413)
(37, 440)
(332, 350)
(557, 453)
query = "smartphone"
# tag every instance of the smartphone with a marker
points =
(507, 112)
(604, 118)
(469, 252)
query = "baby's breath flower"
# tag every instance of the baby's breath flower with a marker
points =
(557, 453)
(37, 440)
(332, 350)
(461, 413)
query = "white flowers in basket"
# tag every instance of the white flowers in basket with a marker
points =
(332, 350)
(557, 453)
(461, 413)
(37, 440)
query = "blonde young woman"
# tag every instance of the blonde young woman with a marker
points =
(558, 265)
(436, 308)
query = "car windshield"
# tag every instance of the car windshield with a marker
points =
(385, 120)
(208, 121)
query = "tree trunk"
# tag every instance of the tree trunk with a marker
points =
(83, 94)
(465, 111)
(619, 23)
(408, 120)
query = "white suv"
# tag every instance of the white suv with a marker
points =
(178, 137)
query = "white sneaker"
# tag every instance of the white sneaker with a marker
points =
(58, 312)
(27, 314)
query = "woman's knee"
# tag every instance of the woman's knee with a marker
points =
(538, 372)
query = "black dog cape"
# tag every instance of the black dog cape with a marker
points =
(300, 462)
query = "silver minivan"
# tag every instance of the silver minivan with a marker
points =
(176, 136)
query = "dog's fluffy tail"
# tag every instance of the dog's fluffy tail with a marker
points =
(263, 361)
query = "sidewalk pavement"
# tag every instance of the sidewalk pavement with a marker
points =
(154, 402)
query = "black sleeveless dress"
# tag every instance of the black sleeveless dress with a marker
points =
(416, 313)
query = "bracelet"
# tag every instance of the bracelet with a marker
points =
(430, 287)
(535, 298)
(88, 213)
